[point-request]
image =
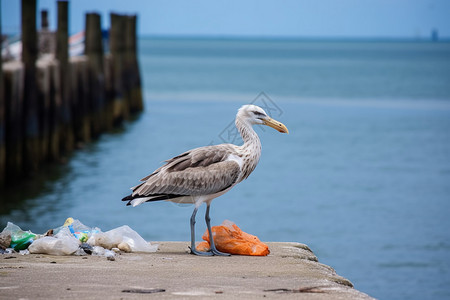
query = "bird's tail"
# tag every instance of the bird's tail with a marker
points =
(138, 199)
(135, 201)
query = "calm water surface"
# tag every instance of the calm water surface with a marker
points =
(363, 177)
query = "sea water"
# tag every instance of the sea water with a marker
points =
(363, 177)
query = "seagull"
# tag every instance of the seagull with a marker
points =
(200, 175)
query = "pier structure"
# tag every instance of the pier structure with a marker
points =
(50, 102)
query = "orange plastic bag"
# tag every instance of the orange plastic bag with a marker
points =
(229, 238)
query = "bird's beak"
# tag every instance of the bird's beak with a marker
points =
(275, 125)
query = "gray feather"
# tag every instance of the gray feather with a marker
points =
(200, 171)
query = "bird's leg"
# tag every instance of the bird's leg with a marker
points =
(211, 239)
(193, 250)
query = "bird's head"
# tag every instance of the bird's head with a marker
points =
(256, 115)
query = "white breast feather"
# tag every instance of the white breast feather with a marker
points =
(238, 159)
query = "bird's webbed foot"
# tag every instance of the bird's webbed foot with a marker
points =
(208, 253)
(200, 253)
(218, 253)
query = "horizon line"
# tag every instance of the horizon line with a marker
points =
(292, 38)
(443, 39)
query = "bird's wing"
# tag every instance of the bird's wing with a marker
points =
(200, 171)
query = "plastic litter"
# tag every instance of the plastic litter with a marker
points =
(9, 251)
(24, 252)
(86, 248)
(124, 247)
(74, 238)
(118, 237)
(78, 229)
(100, 251)
(80, 252)
(20, 240)
(229, 238)
(109, 253)
(61, 244)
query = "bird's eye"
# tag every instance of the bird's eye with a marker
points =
(257, 113)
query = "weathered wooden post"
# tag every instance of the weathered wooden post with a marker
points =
(44, 77)
(14, 94)
(46, 103)
(46, 37)
(132, 75)
(44, 19)
(45, 46)
(2, 118)
(30, 114)
(109, 91)
(116, 39)
(79, 87)
(62, 54)
(93, 49)
(54, 152)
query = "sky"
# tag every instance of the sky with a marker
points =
(259, 18)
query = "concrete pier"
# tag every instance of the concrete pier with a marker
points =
(291, 271)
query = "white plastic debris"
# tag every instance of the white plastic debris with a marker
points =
(98, 251)
(77, 229)
(123, 247)
(109, 254)
(64, 232)
(70, 239)
(24, 252)
(18, 238)
(119, 236)
(80, 252)
(62, 244)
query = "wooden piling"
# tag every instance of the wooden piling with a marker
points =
(109, 91)
(62, 55)
(79, 90)
(93, 49)
(117, 48)
(2, 117)
(30, 116)
(132, 74)
(46, 38)
(44, 78)
(47, 105)
(54, 152)
(14, 93)
(44, 19)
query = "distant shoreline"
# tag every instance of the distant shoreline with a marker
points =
(295, 39)
(427, 39)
